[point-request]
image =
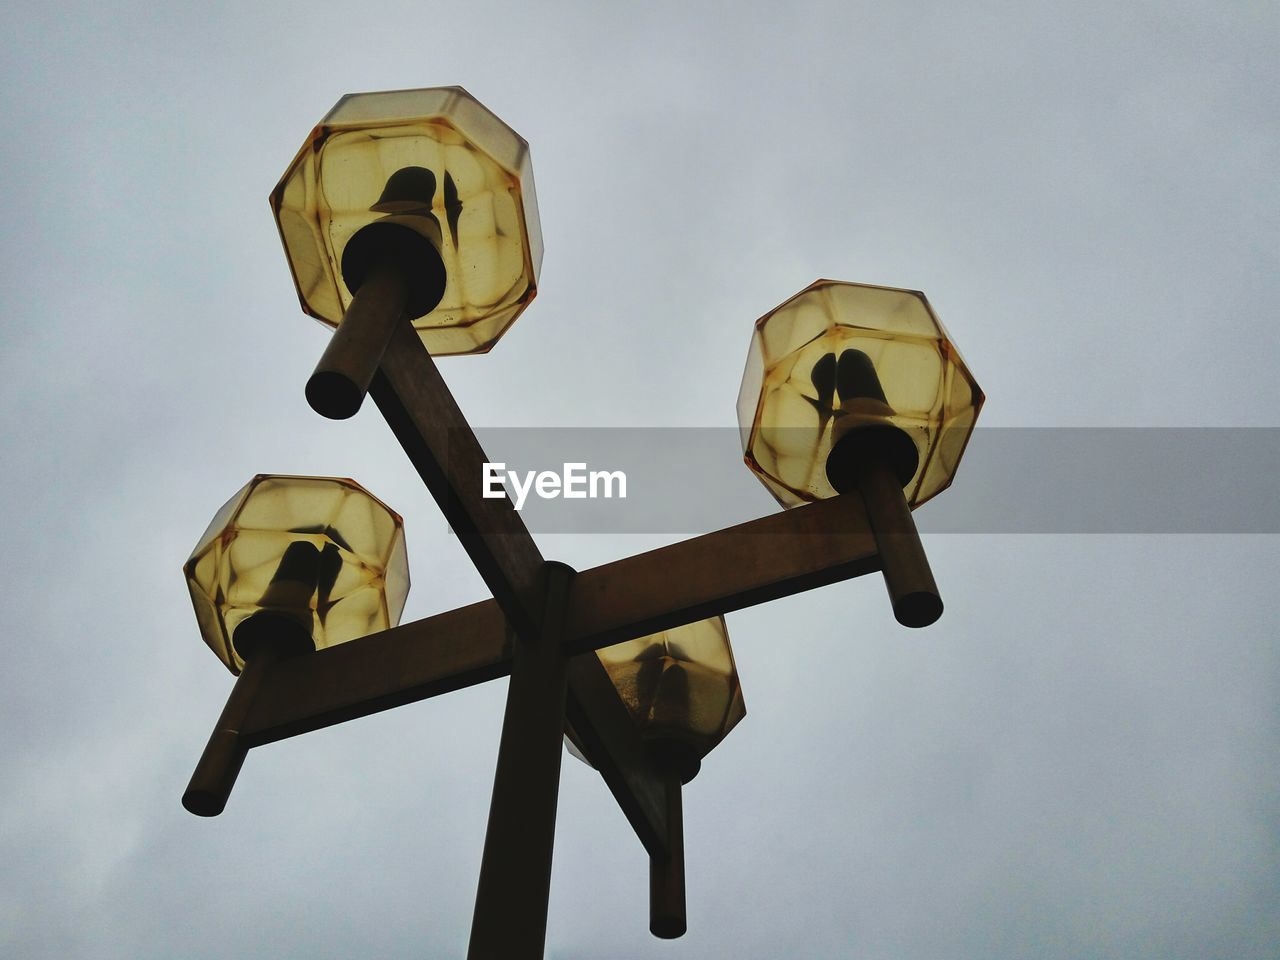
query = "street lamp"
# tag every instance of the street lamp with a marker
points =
(413, 202)
(857, 388)
(409, 222)
(382, 169)
(681, 689)
(289, 565)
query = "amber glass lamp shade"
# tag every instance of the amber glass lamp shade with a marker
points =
(680, 687)
(311, 560)
(839, 359)
(437, 163)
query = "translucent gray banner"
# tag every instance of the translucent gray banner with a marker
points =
(1011, 480)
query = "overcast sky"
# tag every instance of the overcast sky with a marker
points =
(1080, 760)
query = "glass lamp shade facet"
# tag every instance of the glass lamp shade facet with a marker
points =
(680, 685)
(321, 555)
(437, 162)
(839, 357)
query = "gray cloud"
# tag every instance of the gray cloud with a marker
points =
(1077, 761)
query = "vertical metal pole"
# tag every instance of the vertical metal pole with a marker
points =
(510, 921)
(666, 871)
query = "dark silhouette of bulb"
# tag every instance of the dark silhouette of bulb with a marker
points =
(284, 620)
(409, 189)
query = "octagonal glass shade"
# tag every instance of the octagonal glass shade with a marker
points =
(680, 684)
(463, 178)
(838, 356)
(321, 551)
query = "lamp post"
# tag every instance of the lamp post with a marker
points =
(681, 690)
(288, 566)
(409, 222)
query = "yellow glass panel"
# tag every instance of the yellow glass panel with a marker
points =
(679, 685)
(321, 551)
(838, 357)
(461, 177)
